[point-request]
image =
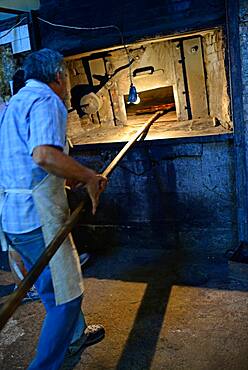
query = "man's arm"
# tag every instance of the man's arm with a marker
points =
(52, 160)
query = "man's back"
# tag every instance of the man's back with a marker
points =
(27, 122)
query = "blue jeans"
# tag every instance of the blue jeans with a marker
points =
(63, 324)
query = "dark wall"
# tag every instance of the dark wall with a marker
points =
(136, 19)
(177, 192)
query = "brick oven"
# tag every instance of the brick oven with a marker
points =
(176, 186)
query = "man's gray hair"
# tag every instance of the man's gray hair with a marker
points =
(43, 65)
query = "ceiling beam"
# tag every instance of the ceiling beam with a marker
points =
(12, 11)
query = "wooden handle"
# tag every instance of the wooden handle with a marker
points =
(130, 143)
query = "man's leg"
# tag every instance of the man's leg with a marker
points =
(19, 272)
(60, 321)
(16, 266)
(80, 327)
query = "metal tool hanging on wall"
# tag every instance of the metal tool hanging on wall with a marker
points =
(84, 97)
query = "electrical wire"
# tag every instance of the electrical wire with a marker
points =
(79, 28)
(11, 29)
(94, 29)
(128, 55)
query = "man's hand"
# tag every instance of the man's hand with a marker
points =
(72, 184)
(95, 186)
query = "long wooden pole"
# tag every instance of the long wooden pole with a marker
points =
(130, 143)
(15, 299)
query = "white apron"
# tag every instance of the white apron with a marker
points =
(52, 206)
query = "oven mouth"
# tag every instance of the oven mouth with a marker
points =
(150, 101)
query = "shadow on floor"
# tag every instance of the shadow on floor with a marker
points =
(160, 270)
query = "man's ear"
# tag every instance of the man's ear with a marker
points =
(58, 78)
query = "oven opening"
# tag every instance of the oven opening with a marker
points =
(112, 92)
(150, 101)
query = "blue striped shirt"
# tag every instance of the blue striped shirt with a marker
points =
(35, 116)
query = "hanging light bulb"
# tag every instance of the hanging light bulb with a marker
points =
(137, 100)
(133, 96)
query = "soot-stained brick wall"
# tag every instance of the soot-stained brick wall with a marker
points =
(244, 55)
(136, 19)
(165, 193)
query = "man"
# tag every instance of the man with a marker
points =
(34, 205)
(15, 262)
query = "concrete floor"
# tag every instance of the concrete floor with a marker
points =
(161, 310)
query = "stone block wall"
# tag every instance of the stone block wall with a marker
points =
(164, 193)
(244, 54)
